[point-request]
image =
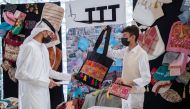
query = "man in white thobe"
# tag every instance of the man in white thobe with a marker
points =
(136, 71)
(34, 70)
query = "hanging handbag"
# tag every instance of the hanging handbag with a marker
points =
(179, 38)
(184, 78)
(96, 66)
(153, 81)
(185, 6)
(146, 12)
(20, 15)
(9, 17)
(11, 50)
(163, 74)
(177, 67)
(169, 57)
(171, 96)
(184, 17)
(55, 56)
(12, 44)
(10, 7)
(18, 27)
(120, 90)
(151, 41)
(54, 14)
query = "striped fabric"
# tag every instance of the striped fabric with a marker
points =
(54, 14)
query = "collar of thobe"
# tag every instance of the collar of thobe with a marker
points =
(36, 42)
(133, 50)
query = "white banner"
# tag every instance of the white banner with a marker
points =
(83, 13)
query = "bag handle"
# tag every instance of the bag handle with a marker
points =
(107, 38)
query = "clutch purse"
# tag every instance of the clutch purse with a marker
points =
(120, 90)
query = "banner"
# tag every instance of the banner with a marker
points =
(94, 13)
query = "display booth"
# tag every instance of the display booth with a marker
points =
(164, 34)
(30, 14)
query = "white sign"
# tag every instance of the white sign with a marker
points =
(83, 13)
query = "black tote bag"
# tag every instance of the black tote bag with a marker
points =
(96, 65)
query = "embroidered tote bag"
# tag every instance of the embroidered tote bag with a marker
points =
(12, 44)
(11, 50)
(151, 41)
(96, 66)
(146, 12)
(179, 38)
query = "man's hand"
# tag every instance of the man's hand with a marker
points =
(73, 77)
(52, 84)
(119, 81)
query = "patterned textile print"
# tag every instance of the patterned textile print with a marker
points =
(180, 36)
(94, 70)
(149, 40)
(11, 52)
(89, 79)
(171, 96)
(119, 90)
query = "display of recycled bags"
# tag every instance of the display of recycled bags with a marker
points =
(120, 90)
(179, 38)
(146, 12)
(151, 41)
(96, 65)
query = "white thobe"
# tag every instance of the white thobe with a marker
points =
(135, 68)
(33, 72)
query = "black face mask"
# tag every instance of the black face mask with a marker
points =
(46, 40)
(125, 41)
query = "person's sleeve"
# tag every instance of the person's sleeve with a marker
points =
(59, 76)
(115, 53)
(144, 69)
(23, 70)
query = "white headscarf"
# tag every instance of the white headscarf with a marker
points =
(40, 26)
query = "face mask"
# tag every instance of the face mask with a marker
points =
(46, 40)
(125, 41)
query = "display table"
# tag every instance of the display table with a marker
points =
(101, 107)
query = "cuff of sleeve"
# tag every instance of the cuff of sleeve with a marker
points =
(138, 82)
